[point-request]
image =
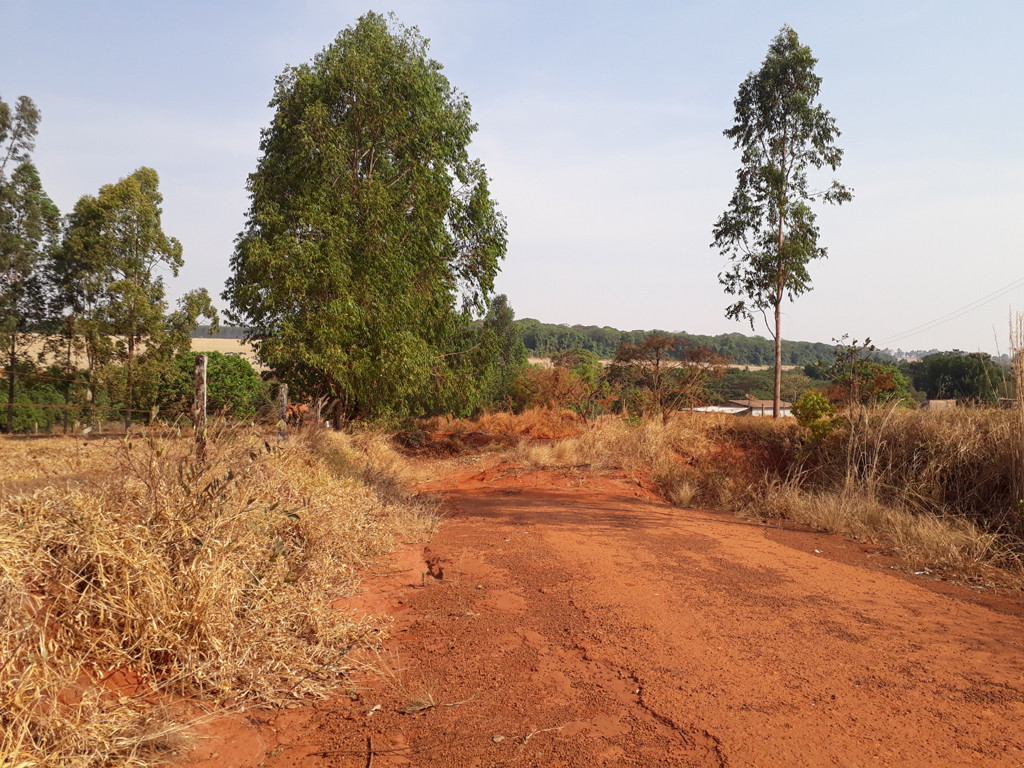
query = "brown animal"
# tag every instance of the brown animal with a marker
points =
(297, 414)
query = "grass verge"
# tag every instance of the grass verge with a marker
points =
(161, 580)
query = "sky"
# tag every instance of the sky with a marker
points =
(600, 125)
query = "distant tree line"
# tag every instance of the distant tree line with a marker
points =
(547, 340)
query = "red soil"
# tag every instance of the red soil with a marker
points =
(560, 619)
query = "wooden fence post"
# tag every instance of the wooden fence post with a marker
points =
(199, 407)
(282, 407)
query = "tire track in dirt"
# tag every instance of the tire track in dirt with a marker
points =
(564, 620)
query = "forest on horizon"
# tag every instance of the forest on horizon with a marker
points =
(549, 339)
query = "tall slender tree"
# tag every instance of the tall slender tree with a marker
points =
(29, 229)
(116, 244)
(80, 277)
(768, 232)
(372, 237)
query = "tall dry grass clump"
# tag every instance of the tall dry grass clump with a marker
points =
(1017, 357)
(539, 423)
(925, 539)
(704, 459)
(951, 463)
(212, 581)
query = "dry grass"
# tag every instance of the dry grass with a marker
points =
(225, 346)
(210, 582)
(24, 459)
(238, 347)
(540, 423)
(937, 488)
(951, 463)
(949, 543)
(703, 459)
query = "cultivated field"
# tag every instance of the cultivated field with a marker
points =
(203, 344)
(224, 346)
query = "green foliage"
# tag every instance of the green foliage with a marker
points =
(957, 375)
(371, 236)
(739, 384)
(17, 132)
(503, 355)
(29, 229)
(742, 384)
(233, 387)
(858, 378)
(548, 339)
(768, 232)
(814, 411)
(885, 383)
(584, 380)
(662, 373)
(181, 323)
(582, 362)
(116, 245)
(39, 399)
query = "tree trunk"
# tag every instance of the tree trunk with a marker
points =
(339, 415)
(67, 385)
(128, 385)
(778, 360)
(10, 388)
(199, 407)
(282, 409)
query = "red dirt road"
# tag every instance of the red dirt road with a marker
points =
(578, 621)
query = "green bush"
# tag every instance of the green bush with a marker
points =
(43, 416)
(232, 385)
(814, 411)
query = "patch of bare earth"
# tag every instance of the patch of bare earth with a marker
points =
(562, 619)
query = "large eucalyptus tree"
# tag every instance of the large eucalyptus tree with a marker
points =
(768, 232)
(371, 237)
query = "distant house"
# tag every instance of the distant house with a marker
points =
(760, 407)
(747, 408)
(735, 410)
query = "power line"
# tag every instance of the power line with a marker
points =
(956, 313)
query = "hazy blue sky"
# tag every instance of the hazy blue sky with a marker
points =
(601, 125)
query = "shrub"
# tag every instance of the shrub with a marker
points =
(232, 385)
(814, 411)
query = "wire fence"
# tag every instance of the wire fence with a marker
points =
(85, 414)
(140, 386)
(141, 389)
(178, 404)
(21, 374)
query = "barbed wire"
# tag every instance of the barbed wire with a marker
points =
(8, 372)
(70, 406)
(143, 388)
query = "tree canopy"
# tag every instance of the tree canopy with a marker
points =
(768, 232)
(29, 229)
(957, 375)
(121, 232)
(371, 238)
